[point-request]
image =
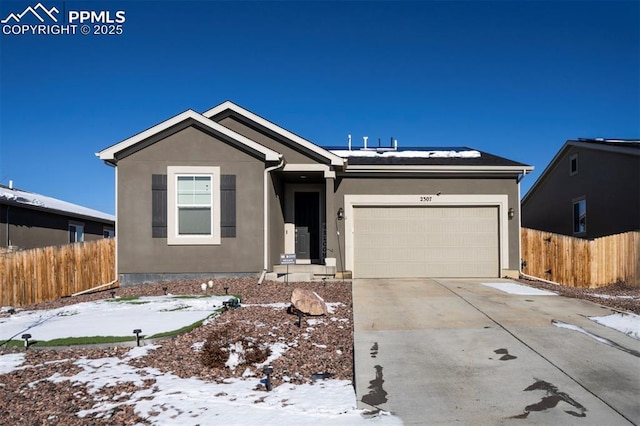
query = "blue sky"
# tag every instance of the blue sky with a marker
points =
(516, 79)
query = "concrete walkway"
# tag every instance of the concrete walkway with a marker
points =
(457, 352)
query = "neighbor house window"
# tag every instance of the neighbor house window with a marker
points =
(108, 232)
(193, 205)
(573, 165)
(580, 216)
(76, 232)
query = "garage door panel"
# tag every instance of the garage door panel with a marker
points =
(426, 242)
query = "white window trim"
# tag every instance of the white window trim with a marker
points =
(76, 224)
(172, 217)
(571, 158)
(573, 219)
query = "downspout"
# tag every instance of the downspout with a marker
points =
(266, 217)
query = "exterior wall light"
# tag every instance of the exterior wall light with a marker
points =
(340, 215)
(511, 213)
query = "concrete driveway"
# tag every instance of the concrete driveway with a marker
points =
(454, 351)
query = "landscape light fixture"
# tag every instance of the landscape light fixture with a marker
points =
(300, 314)
(340, 215)
(226, 290)
(165, 290)
(511, 213)
(113, 294)
(26, 338)
(137, 332)
(210, 284)
(203, 286)
(267, 371)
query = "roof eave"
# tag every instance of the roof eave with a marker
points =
(440, 169)
(108, 155)
(228, 105)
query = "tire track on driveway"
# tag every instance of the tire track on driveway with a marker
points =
(559, 368)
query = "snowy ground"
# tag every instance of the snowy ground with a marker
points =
(172, 399)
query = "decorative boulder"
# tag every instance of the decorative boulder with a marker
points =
(308, 302)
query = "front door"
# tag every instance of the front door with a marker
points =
(307, 225)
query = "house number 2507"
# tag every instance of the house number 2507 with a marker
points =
(425, 199)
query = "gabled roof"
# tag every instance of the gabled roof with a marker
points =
(620, 146)
(230, 106)
(35, 201)
(109, 154)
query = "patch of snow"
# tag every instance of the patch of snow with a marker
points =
(607, 296)
(595, 337)
(197, 346)
(10, 362)
(628, 324)
(33, 199)
(140, 351)
(408, 154)
(522, 290)
(236, 355)
(314, 321)
(277, 350)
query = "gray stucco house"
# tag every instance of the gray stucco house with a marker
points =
(29, 220)
(590, 189)
(228, 192)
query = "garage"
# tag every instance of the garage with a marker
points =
(410, 242)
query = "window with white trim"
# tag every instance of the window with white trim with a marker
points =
(580, 216)
(76, 232)
(193, 205)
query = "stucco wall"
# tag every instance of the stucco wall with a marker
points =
(610, 183)
(139, 253)
(409, 186)
(33, 228)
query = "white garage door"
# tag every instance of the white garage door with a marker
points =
(412, 242)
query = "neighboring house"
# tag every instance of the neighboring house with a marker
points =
(228, 192)
(29, 220)
(590, 189)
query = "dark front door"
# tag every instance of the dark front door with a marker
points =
(307, 221)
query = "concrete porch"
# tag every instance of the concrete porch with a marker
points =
(309, 272)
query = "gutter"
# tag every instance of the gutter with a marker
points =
(266, 213)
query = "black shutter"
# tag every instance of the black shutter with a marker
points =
(228, 206)
(159, 206)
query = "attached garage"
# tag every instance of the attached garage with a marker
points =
(426, 241)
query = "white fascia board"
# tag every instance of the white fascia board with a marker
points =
(228, 105)
(436, 169)
(298, 167)
(109, 153)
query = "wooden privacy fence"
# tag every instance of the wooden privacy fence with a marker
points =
(582, 263)
(48, 273)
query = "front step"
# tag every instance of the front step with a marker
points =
(301, 273)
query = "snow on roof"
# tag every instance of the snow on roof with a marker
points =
(49, 203)
(464, 153)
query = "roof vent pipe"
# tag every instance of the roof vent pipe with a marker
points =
(10, 184)
(365, 141)
(349, 138)
(395, 144)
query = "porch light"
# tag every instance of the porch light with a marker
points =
(26, 338)
(511, 213)
(340, 213)
(267, 371)
(137, 332)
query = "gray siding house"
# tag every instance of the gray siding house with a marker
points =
(590, 189)
(228, 192)
(29, 220)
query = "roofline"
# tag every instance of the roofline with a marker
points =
(228, 105)
(439, 169)
(579, 144)
(67, 213)
(108, 154)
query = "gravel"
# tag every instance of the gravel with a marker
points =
(320, 345)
